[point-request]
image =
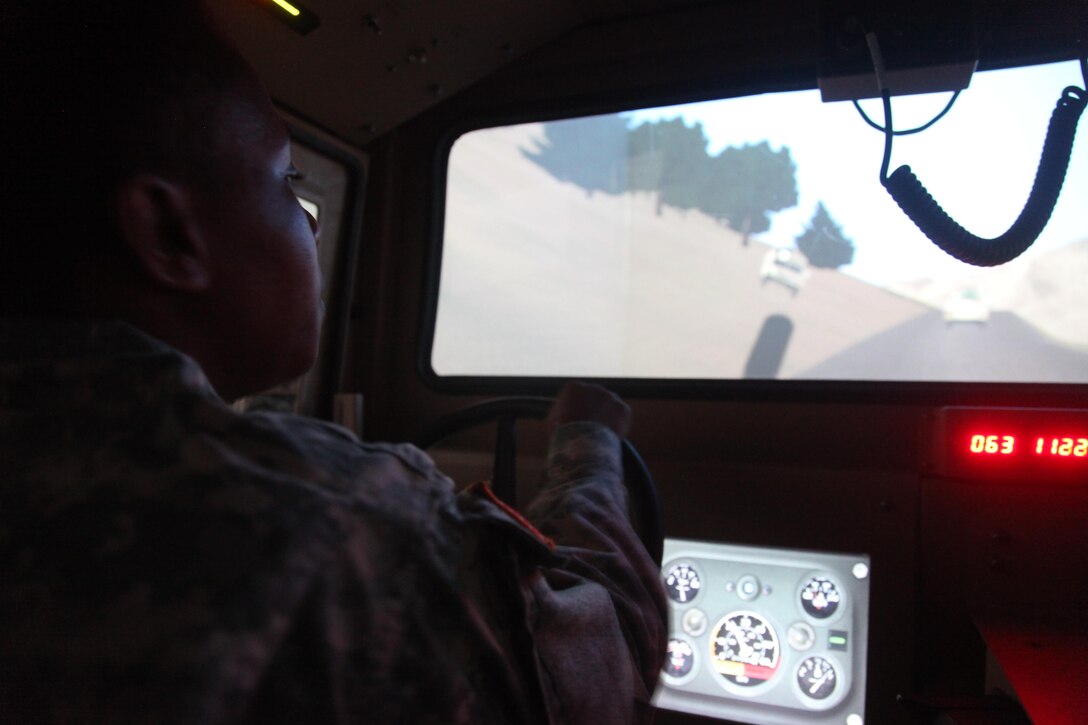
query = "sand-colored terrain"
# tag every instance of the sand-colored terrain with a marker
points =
(1049, 291)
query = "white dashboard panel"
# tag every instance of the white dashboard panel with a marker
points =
(765, 635)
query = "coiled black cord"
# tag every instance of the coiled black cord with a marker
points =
(945, 232)
(917, 203)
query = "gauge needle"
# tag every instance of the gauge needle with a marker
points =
(820, 682)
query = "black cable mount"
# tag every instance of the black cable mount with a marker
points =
(919, 129)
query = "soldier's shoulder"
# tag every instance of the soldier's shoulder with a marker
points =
(394, 481)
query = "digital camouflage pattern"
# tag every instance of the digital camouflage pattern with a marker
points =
(166, 559)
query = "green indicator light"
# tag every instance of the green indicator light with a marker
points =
(837, 640)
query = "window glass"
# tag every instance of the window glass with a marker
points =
(310, 206)
(751, 238)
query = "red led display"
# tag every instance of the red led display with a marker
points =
(1029, 444)
(1009, 445)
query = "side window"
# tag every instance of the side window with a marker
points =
(310, 205)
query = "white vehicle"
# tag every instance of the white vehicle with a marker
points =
(966, 307)
(785, 266)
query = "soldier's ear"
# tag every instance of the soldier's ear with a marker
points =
(157, 222)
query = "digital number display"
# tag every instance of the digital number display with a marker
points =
(1034, 444)
(1008, 445)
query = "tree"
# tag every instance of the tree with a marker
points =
(744, 184)
(823, 241)
(668, 157)
(741, 185)
(589, 152)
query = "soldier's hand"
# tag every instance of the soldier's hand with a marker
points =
(583, 402)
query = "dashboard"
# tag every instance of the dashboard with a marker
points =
(765, 635)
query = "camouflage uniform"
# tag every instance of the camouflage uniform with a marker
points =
(166, 559)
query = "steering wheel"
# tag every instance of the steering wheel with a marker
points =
(505, 412)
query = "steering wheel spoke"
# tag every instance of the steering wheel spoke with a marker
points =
(504, 479)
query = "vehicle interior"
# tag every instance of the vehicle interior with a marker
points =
(869, 441)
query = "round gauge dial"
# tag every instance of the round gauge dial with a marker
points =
(816, 677)
(679, 659)
(820, 597)
(682, 583)
(744, 649)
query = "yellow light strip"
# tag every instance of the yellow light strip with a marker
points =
(288, 7)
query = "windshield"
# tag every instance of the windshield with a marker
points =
(751, 238)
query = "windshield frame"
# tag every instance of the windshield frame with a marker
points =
(769, 390)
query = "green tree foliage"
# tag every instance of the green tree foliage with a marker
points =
(589, 152)
(745, 184)
(668, 157)
(741, 186)
(823, 241)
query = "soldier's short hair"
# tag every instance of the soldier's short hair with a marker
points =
(92, 93)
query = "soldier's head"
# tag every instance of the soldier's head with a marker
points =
(149, 179)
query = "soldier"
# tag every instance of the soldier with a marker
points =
(164, 558)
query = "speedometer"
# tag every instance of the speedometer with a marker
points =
(744, 649)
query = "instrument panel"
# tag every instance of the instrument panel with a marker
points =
(762, 635)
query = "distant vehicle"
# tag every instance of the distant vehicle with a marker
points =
(785, 266)
(966, 307)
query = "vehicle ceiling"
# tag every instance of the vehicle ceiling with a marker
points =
(373, 64)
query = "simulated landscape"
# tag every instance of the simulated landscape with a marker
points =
(542, 277)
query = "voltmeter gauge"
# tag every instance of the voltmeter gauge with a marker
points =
(680, 658)
(744, 649)
(820, 597)
(816, 677)
(682, 583)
